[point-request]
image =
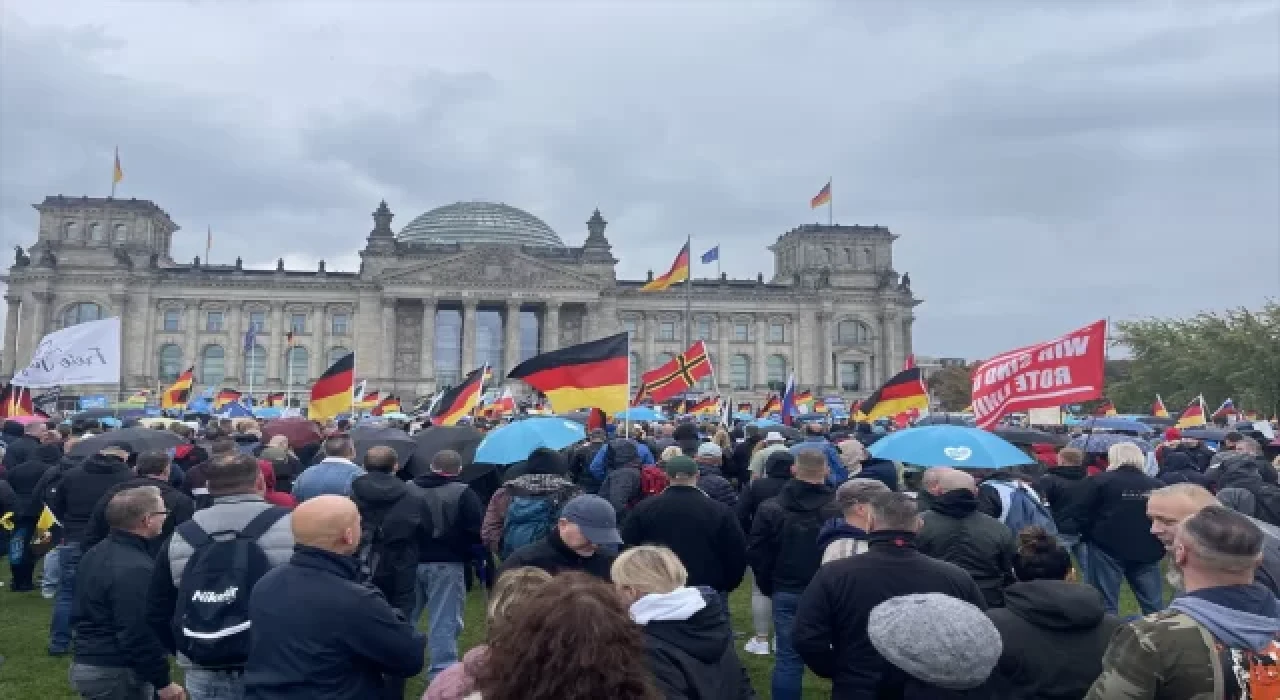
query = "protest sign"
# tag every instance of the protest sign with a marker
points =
(86, 353)
(1063, 370)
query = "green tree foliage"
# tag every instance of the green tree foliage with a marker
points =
(951, 387)
(1233, 354)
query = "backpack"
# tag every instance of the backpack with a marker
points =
(1251, 675)
(529, 519)
(1021, 508)
(211, 619)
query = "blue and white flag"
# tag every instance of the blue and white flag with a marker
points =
(711, 255)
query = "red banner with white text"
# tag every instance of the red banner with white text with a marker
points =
(1064, 370)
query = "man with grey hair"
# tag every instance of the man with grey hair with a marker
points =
(847, 535)
(830, 631)
(117, 655)
(1175, 653)
(333, 475)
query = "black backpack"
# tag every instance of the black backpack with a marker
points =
(211, 621)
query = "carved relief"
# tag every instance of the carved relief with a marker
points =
(408, 347)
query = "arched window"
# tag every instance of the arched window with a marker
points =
(296, 365)
(776, 369)
(170, 362)
(96, 232)
(213, 365)
(852, 333)
(740, 372)
(255, 366)
(80, 313)
(335, 354)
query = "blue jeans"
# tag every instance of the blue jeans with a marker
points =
(205, 684)
(1079, 551)
(788, 668)
(60, 625)
(52, 573)
(442, 590)
(21, 563)
(1106, 573)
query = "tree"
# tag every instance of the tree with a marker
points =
(951, 387)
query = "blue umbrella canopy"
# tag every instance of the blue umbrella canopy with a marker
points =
(637, 413)
(949, 446)
(1101, 442)
(1118, 425)
(516, 441)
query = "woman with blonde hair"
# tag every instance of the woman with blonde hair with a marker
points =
(722, 441)
(1121, 546)
(687, 637)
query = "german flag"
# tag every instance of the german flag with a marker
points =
(275, 398)
(176, 396)
(771, 405)
(1157, 408)
(391, 404)
(1193, 415)
(371, 399)
(588, 375)
(678, 375)
(678, 273)
(459, 401)
(746, 407)
(1106, 409)
(822, 197)
(804, 398)
(820, 406)
(1251, 415)
(711, 404)
(331, 394)
(15, 401)
(224, 397)
(903, 392)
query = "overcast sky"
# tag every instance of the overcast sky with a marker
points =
(1044, 166)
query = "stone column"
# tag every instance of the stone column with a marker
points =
(275, 355)
(366, 334)
(804, 347)
(11, 335)
(723, 330)
(44, 307)
(550, 330)
(427, 355)
(319, 340)
(608, 322)
(128, 344)
(893, 360)
(387, 369)
(235, 349)
(822, 346)
(191, 348)
(511, 337)
(468, 336)
(759, 365)
(147, 366)
(908, 345)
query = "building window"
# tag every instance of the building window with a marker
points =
(448, 347)
(636, 371)
(666, 330)
(71, 230)
(867, 258)
(213, 321)
(96, 232)
(740, 372)
(255, 366)
(258, 321)
(213, 365)
(335, 354)
(850, 376)
(81, 313)
(776, 370)
(630, 325)
(298, 323)
(777, 332)
(489, 342)
(741, 331)
(340, 324)
(852, 333)
(296, 370)
(529, 329)
(121, 232)
(170, 362)
(172, 319)
(704, 329)
(707, 383)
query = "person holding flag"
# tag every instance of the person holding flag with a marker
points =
(815, 438)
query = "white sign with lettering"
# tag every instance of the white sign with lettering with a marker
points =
(87, 353)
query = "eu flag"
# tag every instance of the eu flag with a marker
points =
(711, 255)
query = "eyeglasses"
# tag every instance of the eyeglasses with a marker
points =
(158, 512)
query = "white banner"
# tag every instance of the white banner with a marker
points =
(88, 353)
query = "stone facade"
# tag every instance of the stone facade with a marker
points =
(834, 311)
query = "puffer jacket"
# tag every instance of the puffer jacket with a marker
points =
(79, 490)
(622, 489)
(554, 486)
(1178, 468)
(712, 482)
(954, 531)
(26, 477)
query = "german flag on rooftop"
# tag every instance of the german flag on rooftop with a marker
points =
(461, 400)
(331, 394)
(177, 395)
(903, 392)
(678, 273)
(588, 375)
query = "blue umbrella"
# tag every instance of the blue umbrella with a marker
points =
(267, 412)
(515, 441)
(765, 423)
(949, 446)
(637, 413)
(1099, 443)
(1118, 425)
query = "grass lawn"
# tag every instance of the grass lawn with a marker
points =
(28, 673)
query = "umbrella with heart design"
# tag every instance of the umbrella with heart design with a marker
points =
(949, 446)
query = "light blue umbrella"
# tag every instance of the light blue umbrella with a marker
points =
(949, 446)
(515, 441)
(267, 412)
(637, 413)
(765, 423)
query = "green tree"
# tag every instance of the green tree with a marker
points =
(951, 387)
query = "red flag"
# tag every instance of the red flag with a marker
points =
(596, 420)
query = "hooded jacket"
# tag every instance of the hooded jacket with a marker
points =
(80, 489)
(1178, 468)
(954, 531)
(395, 518)
(839, 540)
(1117, 521)
(783, 545)
(690, 646)
(554, 486)
(273, 494)
(777, 472)
(553, 556)
(1054, 634)
(1237, 470)
(1065, 488)
(703, 533)
(25, 478)
(19, 450)
(180, 508)
(456, 518)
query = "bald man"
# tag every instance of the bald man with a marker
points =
(318, 631)
(954, 531)
(1170, 506)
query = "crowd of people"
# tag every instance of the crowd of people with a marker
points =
(273, 571)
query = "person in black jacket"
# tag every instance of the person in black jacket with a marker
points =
(574, 544)
(1065, 489)
(777, 472)
(117, 654)
(831, 621)
(318, 631)
(686, 628)
(741, 456)
(784, 555)
(152, 469)
(395, 520)
(1178, 468)
(28, 504)
(710, 478)
(1121, 545)
(703, 533)
(72, 502)
(581, 460)
(1054, 631)
(21, 447)
(954, 531)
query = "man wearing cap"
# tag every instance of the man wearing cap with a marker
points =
(72, 503)
(575, 543)
(710, 479)
(703, 532)
(773, 442)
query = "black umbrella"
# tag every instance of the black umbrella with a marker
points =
(366, 436)
(1202, 433)
(118, 413)
(1157, 421)
(462, 439)
(1026, 436)
(136, 439)
(946, 419)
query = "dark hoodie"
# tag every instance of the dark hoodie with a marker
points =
(782, 547)
(837, 529)
(1178, 468)
(1054, 634)
(1238, 470)
(954, 531)
(180, 508)
(777, 472)
(25, 479)
(692, 656)
(457, 517)
(394, 519)
(1065, 488)
(80, 490)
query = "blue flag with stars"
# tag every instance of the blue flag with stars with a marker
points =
(711, 255)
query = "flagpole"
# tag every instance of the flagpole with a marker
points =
(831, 200)
(288, 376)
(626, 421)
(208, 243)
(688, 295)
(718, 273)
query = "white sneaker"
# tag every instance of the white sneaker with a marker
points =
(759, 647)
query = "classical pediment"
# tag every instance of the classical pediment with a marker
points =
(488, 268)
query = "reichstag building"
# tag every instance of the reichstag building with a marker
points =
(461, 285)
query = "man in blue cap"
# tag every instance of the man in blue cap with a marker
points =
(575, 543)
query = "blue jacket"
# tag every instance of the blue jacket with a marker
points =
(597, 463)
(332, 476)
(838, 473)
(319, 633)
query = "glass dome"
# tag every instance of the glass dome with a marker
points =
(479, 222)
